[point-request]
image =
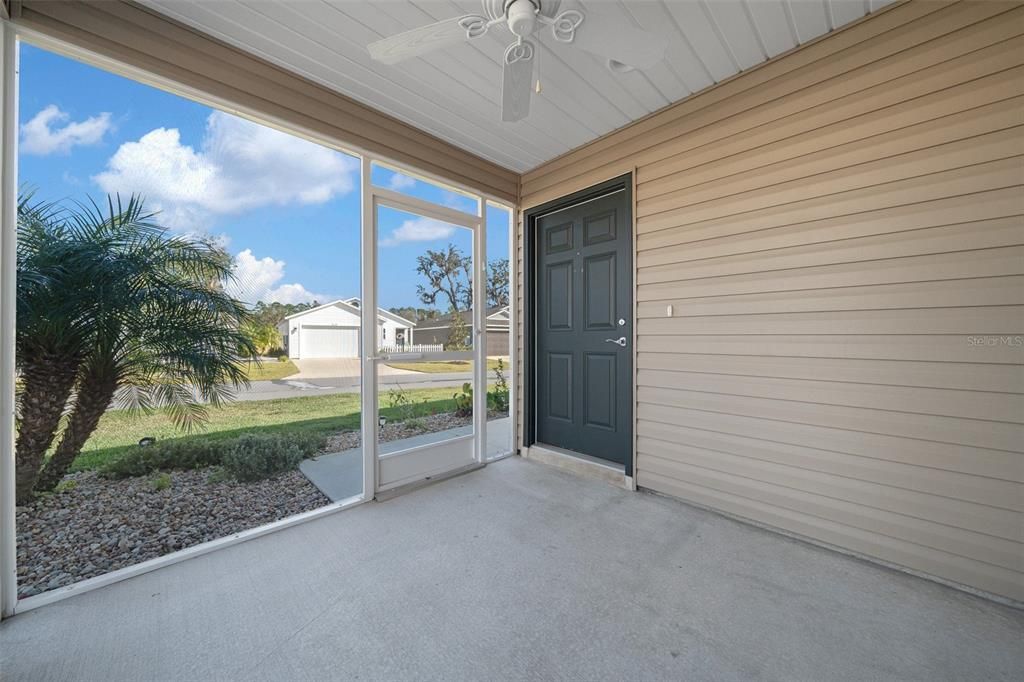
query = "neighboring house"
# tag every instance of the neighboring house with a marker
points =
(439, 329)
(332, 331)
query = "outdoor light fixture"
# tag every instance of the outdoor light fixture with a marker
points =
(382, 421)
(147, 441)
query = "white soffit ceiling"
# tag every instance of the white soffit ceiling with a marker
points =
(455, 94)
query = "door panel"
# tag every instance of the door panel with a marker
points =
(585, 308)
(599, 292)
(559, 238)
(560, 386)
(599, 228)
(599, 391)
(559, 296)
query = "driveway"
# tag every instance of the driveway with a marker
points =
(332, 368)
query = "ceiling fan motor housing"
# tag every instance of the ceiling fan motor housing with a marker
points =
(522, 17)
(525, 11)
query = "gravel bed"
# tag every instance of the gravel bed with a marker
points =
(97, 525)
(347, 440)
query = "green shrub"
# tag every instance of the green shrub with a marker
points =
(401, 403)
(218, 475)
(183, 453)
(66, 486)
(497, 399)
(199, 453)
(253, 457)
(464, 401)
(160, 482)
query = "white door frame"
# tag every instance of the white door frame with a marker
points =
(8, 284)
(392, 470)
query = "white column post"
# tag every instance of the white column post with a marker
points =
(368, 331)
(480, 334)
(513, 330)
(8, 284)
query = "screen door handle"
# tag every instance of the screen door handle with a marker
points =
(621, 341)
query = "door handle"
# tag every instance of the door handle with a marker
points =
(621, 341)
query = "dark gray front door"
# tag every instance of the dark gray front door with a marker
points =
(584, 314)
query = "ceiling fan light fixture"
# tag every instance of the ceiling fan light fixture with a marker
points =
(615, 66)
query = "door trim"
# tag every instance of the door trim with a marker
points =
(622, 183)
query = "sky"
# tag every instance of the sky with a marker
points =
(285, 208)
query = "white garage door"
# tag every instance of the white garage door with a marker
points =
(329, 342)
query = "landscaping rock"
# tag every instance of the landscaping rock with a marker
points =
(100, 525)
(347, 440)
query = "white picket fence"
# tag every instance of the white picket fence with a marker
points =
(414, 348)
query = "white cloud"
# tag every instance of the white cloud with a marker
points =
(239, 166)
(44, 134)
(398, 182)
(418, 230)
(256, 279)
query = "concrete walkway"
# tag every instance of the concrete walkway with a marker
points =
(339, 475)
(519, 572)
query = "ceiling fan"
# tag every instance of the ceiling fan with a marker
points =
(625, 46)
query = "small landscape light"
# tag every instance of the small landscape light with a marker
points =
(146, 442)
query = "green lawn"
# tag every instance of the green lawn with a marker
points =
(448, 366)
(324, 414)
(270, 370)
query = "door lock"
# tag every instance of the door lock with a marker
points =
(621, 341)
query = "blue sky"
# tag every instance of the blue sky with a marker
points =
(286, 209)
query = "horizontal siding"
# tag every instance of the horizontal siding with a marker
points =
(132, 35)
(873, 159)
(830, 290)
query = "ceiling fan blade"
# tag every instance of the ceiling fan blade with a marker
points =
(607, 37)
(516, 79)
(427, 38)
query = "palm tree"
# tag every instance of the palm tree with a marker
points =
(159, 328)
(52, 330)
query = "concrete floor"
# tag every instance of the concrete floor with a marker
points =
(519, 571)
(339, 475)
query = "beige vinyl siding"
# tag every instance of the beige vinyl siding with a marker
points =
(840, 234)
(134, 36)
